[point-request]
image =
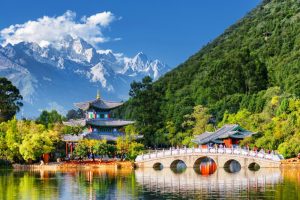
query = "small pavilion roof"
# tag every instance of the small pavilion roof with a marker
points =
(96, 136)
(226, 131)
(110, 122)
(98, 103)
(98, 122)
(92, 135)
(75, 122)
(106, 136)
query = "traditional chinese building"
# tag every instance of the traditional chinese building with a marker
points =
(98, 122)
(228, 135)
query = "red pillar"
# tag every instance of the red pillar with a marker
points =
(66, 149)
(71, 148)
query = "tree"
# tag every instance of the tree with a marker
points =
(171, 131)
(127, 148)
(34, 145)
(10, 100)
(197, 122)
(25, 140)
(145, 100)
(75, 114)
(91, 147)
(81, 150)
(49, 118)
(13, 139)
(111, 150)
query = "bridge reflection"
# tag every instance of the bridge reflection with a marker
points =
(167, 180)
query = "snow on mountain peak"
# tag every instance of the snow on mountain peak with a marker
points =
(74, 64)
(141, 65)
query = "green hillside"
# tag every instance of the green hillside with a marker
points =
(252, 63)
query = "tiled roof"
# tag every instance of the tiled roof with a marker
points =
(98, 122)
(98, 103)
(96, 136)
(229, 130)
(75, 122)
(93, 135)
(102, 136)
(112, 122)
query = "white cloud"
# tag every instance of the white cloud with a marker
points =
(102, 19)
(55, 106)
(50, 30)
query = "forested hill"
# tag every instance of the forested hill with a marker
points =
(260, 51)
(254, 59)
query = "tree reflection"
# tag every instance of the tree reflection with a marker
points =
(149, 183)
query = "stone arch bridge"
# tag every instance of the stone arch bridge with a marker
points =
(192, 157)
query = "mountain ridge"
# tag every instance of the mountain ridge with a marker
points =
(232, 72)
(35, 69)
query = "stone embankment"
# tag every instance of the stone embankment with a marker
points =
(76, 165)
(292, 162)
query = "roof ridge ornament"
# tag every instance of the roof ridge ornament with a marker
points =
(98, 94)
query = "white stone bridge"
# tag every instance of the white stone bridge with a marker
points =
(192, 157)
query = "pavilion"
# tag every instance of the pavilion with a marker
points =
(98, 122)
(228, 135)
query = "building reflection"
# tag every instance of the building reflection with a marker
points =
(166, 181)
(147, 183)
(206, 167)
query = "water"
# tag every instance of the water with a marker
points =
(150, 184)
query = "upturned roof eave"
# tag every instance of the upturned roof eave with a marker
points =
(104, 105)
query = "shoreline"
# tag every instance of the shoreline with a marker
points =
(87, 165)
(104, 165)
(76, 165)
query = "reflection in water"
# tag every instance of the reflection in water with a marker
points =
(254, 167)
(232, 166)
(205, 166)
(178, 166)
(158, 166)
(221, 184)
(150, 184)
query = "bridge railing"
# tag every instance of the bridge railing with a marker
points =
(209, 151)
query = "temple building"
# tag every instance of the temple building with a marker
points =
(99, 123)
(228, 135)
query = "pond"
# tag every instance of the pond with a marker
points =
(150, 184)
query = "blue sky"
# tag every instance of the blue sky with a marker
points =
(170, 30)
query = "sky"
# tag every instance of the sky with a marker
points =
(169, 30)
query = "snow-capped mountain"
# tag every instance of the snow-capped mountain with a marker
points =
(140, 65)
(54, 77)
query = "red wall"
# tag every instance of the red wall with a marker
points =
(228, 142)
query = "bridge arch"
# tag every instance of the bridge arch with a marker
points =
(205, 165)
(176, 163)
(254, 166)
(192, 157)
(158, 166)
(178, 166)
(232, 166)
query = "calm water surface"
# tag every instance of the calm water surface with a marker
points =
(150, 184)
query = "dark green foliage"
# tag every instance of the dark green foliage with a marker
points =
(231, 73)
(49, 118)
(75, 114)
(146, 103)
(9, 100)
